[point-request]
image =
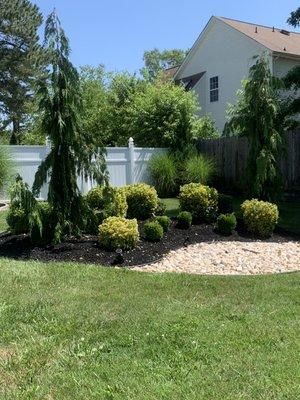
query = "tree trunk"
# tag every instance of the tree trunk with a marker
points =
(15, 136)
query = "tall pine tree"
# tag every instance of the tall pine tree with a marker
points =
(72, 151)
(21, 61)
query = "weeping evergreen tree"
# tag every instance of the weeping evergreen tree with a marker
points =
(71, 150)
(258, 115)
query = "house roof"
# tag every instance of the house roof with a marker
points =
(277, 40)
(191, 81)
(171, 72)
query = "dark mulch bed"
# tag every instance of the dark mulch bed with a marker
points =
(87, 250)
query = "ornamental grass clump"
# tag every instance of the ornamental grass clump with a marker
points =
(142, 200)
(226, 224)
(200, 169)
(260, 217)
(163, 173)
(201, 201)
(118, 233)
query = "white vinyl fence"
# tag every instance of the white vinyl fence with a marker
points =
(125, 165)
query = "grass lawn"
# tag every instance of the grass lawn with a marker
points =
(289, 213)
(82, 332)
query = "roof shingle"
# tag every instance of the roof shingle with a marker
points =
(272, 38)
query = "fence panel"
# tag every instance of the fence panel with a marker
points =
(231, 157)
(125, 165)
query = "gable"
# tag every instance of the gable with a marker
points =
(218, 43)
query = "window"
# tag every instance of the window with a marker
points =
(214, 89)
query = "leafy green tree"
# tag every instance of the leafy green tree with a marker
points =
(294, 19)
(71, 152)
(204, 128)
(106, 100)
(258, 116)
(21, 62)
(162, 116)
(119, 105)
(156, 61)
(93, 116)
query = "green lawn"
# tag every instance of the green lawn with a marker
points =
(83, 332)
(289, 213)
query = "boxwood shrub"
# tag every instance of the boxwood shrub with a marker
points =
(161, 208)
(153, 231)
(226, 223)
(107, 201)
(142, 200)
(164, 221)
(184, 220)
(200, 200)
(118, 232)
(17, 220)
(259, 217)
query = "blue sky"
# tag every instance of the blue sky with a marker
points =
(116, 33)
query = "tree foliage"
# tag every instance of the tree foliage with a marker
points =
(21, 62)
(292, 79)
(71, 150)
(159, 113)
(107, 98)
(258, 116)
(156, 61)
(162, 116)
(294, 18)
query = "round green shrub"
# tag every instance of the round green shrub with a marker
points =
(17, 220)
(184, 220)
(161, 208)
(153, 231)
(118, 232)
(201, 201)
(142, 200)
(164, 221)
(259, 217)
(94, 198)
(109, 200)
(226, 223)
(225, 204)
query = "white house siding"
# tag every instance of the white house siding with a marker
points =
(226, 53)
(283, 65)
